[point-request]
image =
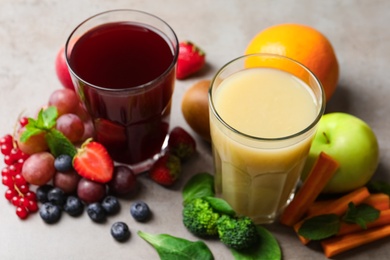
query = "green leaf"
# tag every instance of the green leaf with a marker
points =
(59, 144)
(220, 205)
(49, 117)
(361, 214)
(268, 248)
(320, 227)
(174, 248)
(30, 131)
(379, 187)
(200, 185)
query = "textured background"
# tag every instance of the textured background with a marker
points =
(31, 32)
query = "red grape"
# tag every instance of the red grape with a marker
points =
(90, 191)
(65, 100)
(39, 169)
(71, 126)
(35, 144)
(66, 181)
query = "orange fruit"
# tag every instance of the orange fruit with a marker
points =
(303, 44)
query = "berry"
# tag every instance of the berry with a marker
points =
(56, 196)
(93, 162)
(39, 169)
(120, 231)
(32, 206)
(22, 212)
(111, 205)
(23, 121)
(181, 143)
(73, 206)
(140, 211)
(166, 170)
(71, 126)
(67, 181)
(123, 181)
(42, 191)
(96, 212)
(190, 60)
(89, 191)
(50, 213)
(65, 100)
(63, 163)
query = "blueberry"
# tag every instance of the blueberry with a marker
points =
(111, 205)
(96, 212)
(42, 191)
(50, 213)
(140, 211)
(56, 196)
(120, 231)
(73, 206)
(63, 163)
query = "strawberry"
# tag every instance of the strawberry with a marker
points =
(181, 143)
(166, 170)
(93, 162)
(191, 59)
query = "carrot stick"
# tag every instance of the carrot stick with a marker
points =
(340, 244)
(323, 170)
(383, 219)
(380, 201)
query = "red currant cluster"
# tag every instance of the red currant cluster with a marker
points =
(18, 192)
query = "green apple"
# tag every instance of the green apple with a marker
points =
(351, 142)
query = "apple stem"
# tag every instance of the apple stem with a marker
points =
(326, 137)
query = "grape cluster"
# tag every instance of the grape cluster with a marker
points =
(18, 191)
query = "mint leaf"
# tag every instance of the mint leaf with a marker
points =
(59, 144)
(200, 185)
(174, 248)
(220, 205)
(49, 117)
(30, 131)
(267, 248)
(379, 187)
(360, 214)
(320, 227)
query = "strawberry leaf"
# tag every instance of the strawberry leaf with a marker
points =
(59, 144)
(360, 214)
(320, 227)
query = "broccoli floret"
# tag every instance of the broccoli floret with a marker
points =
(200, 218)
(237, 232)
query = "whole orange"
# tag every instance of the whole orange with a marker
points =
(303, 44)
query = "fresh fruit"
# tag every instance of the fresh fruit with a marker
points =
(39, 169)
(350, 141)
(195, 108)
(63, 163)
(93, 162)
(73, 206)
(71, 126)
(166, 170)
(181, 143)
(65, 100)
(62, 70)
(190, 60)
(90, 191)
(96, 212)
(35, 144)
(120, 231)
(111, 205)
(303, 44)
(123, 181)
(42, 191)
(67, 181)
(50, 213)
(56, 196)
(140, 211)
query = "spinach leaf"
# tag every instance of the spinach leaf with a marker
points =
(267, 248)
(200, 185)
(174, 248)
(220, 205)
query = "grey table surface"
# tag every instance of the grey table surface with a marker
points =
(31, 32)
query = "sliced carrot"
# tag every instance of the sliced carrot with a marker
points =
(340, 244)
(323, 170)
(383, 219)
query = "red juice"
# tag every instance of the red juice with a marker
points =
(125, 76)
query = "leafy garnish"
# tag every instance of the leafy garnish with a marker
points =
(170, 248)
(360, 214)
(200, 185)
(376, 186)
(267, 248)
(320, 227)
(45, 122)
(220, 205)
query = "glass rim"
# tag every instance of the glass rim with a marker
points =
(257, 138)
(133, 88)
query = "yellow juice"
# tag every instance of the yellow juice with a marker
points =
(257, 175)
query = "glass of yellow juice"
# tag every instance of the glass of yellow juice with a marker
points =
(264, 110)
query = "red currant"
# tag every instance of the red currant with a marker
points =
(15, 200)
(19, 180)
(23, 121)
(6, 172)
(24, 188)
(14, 169)
(21, 212)
(7, 181)
(31, 195)
(7, 139)
(10, 193)
(8, 159)
(32, 206)
(6, 149)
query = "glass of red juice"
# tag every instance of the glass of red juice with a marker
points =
(123, 64)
